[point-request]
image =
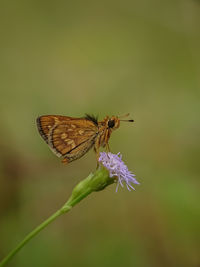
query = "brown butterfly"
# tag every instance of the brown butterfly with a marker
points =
(71, 138)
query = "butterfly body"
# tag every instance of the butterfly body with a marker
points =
(71, 138)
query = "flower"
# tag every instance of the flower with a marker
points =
(116, 167)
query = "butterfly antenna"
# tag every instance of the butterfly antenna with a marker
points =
(128, 120)
(124, 116)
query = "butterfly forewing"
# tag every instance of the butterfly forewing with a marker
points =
(66, 136)
(46, 123)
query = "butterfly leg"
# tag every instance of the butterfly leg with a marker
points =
(97, 156)
(106, 138)
(96, 149)
(107, 147)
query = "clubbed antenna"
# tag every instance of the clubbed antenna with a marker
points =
(124, 116)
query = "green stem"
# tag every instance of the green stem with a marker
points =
(32, 234)
(70, 203)
(94, 182)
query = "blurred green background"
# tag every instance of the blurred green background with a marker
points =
(104, 58)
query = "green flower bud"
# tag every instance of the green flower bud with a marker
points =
(94, 182)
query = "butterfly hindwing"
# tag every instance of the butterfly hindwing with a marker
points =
(66, 136)
(69, 137)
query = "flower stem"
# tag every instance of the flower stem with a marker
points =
(94, 182)
(59, 212)
(31, 235)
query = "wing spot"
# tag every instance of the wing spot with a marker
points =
(56, 120)
(73, 126)
(56, 142)
(72, 143)
(63, 136)
(80, 132)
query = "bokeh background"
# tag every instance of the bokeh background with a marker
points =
(103, 58)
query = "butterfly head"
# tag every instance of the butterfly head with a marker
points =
(114, 122)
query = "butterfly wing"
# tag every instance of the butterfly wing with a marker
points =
(46, 123)
(67, 137)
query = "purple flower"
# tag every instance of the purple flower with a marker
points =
(116, 167)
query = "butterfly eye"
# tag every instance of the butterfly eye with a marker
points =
(111, 123)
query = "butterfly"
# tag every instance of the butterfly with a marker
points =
(71, 138)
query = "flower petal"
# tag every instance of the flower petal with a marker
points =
(116, 167)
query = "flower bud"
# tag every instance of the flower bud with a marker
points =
(94, 182)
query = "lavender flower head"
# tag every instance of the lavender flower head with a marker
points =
(116, 167)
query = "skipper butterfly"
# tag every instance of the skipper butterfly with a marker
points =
(71, 138)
